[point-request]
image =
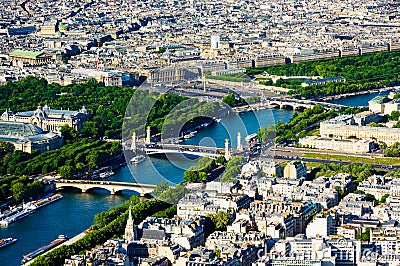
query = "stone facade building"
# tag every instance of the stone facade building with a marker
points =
(49, 119)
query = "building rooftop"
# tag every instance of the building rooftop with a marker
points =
(18, 129)
(379, 99)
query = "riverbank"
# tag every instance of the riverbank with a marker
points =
(68, 242)
(351, 94)
(69, 216)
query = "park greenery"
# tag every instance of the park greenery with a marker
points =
(393, 151)
(395, 173)
(169, 194)
(298, 125)
(77, 157)
(239, 77)
(72, 159)
(105, 227)
(371, 71)
(184, 117)
(358, 172)
(232, 100)
(353, 159)
(169, 213)
(20, 188)
(200, 172)
(107, 105)
(220, 220)
(394, 115)
(232, 169)
(284, 83)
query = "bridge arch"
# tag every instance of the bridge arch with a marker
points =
(287, 106)
(275, 105)
(182, 152)
(112, 187)
(300, 107)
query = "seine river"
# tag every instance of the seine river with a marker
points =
(74, 213)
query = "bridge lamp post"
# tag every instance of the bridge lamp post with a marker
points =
(239, 142)
(148, 135)
(227, 152)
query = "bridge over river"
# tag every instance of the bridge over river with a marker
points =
(112, 186)
(202, 151)
(295, 104)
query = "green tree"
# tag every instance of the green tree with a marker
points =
(221, 220)
(263, 134)
(395, 115)
(230, 100)
(339, 191)
(160, 188)
(91, 159)
(173, 195)
(202, 176)
(5, 148)
(68, 133)
(90, 129)
(79, 167)
(18, 191)
(369, 197)
(366, 235)
(65, 171)
(232, 169)
(220, 160)
(393, 151)
(191, 176)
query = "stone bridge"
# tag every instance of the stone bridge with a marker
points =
(113, 187)
(299, 104)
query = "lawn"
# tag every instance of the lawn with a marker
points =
(353, 159)
(240, 77)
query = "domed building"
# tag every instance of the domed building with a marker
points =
(27, 137)
(49, 119)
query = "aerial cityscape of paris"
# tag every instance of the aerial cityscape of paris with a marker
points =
(199, 133)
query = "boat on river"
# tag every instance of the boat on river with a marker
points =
(27, 209)
(190, 135)
(106, 174)
(46, 201)
(5, 242)
(137, 159)
(11, 211)
(30, 256)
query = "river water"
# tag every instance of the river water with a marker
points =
(359, 100)
(74, 213)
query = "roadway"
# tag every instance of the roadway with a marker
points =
(186, 149)
(292, 153)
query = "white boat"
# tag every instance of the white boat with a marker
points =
(18, 216)
(218, 120)
(138, 159)
(190, 135)
(7, 242)
(106, 174)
